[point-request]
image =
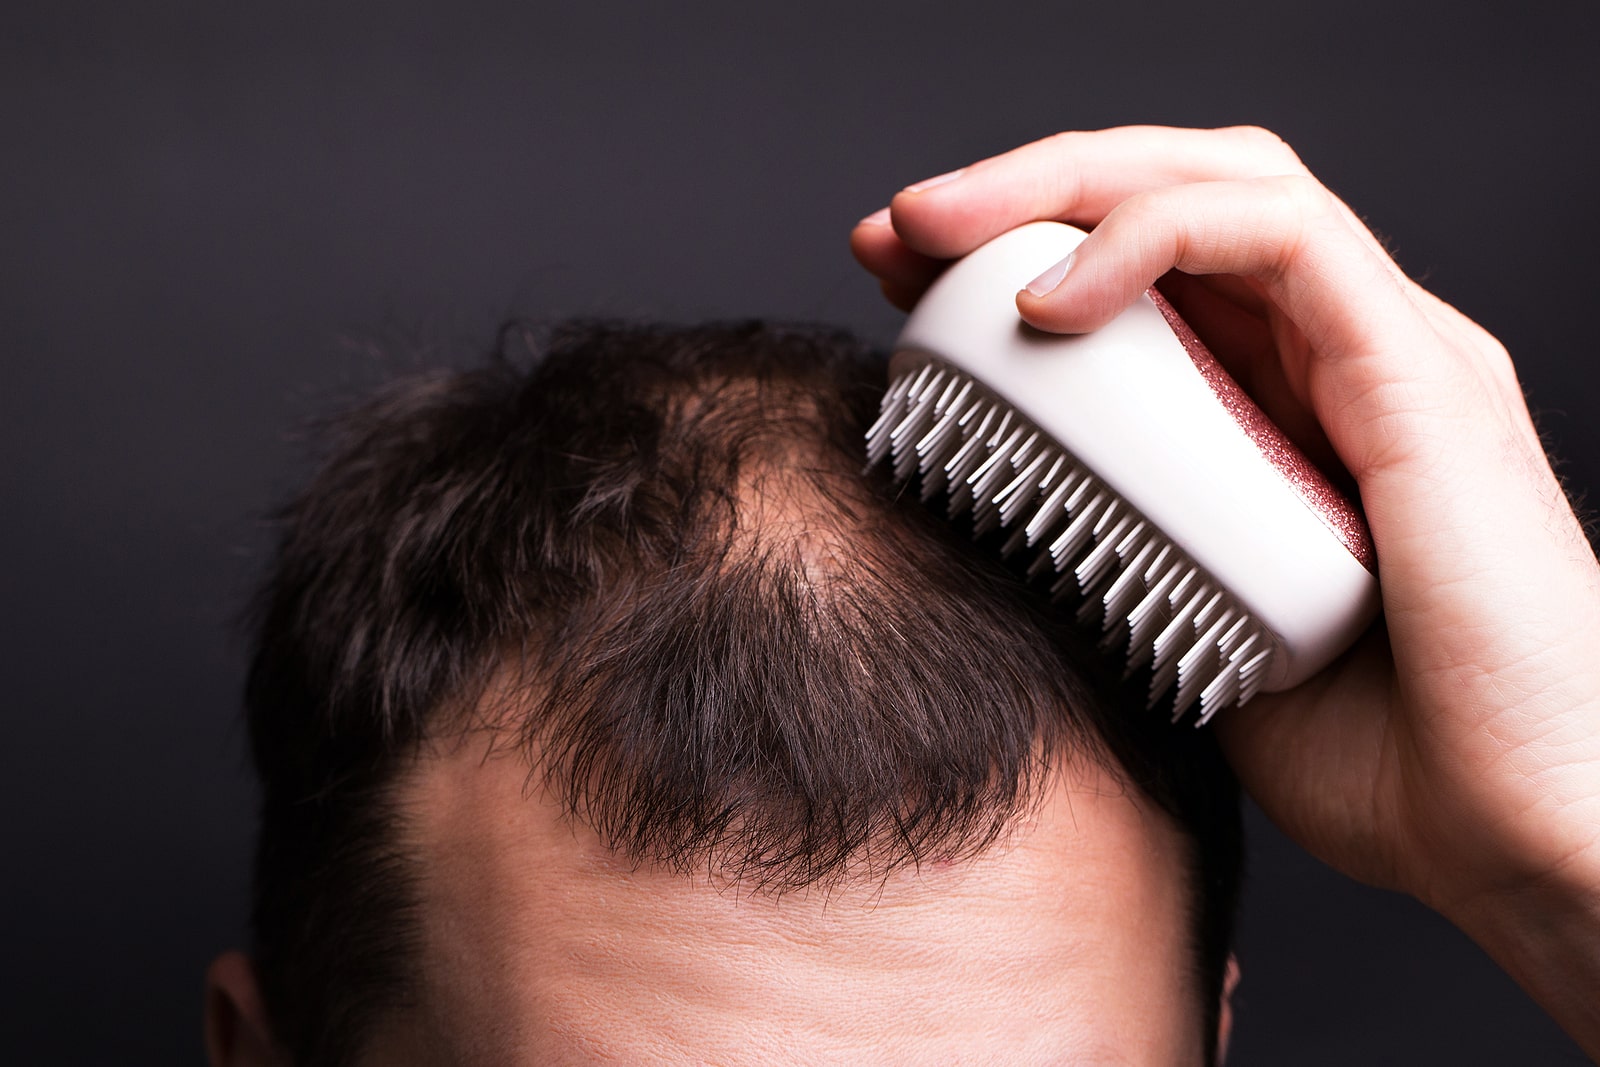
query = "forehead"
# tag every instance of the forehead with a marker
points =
(1068, 939)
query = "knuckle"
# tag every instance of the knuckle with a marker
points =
(1256, 135)
(1491, 346)
(1153, 224)
(1292, 209)
(1144, 214)
(1062, 139)
(1272, 149)
(1301, 195)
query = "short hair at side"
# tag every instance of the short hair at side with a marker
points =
(730, 647)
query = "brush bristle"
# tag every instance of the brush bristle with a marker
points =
(1151, 601)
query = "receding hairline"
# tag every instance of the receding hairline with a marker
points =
(508, 717)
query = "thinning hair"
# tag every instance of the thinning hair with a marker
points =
(730, 649)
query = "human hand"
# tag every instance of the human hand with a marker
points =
(1455, 752)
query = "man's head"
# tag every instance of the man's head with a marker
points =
(604, 708)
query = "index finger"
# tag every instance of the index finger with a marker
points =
(1076, 177)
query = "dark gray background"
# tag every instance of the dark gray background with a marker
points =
(208, 214)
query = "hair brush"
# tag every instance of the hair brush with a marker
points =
(1149, 488)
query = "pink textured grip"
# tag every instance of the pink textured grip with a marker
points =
(1324, 498)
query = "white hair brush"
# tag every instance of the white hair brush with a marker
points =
(1207, 546)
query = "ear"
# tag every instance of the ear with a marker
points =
(236, 1026)
(1230, 982)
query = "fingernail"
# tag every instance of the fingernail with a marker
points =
(879, 217)
(929, 183)
(1046, 282)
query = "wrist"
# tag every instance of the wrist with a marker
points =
(1545, 933)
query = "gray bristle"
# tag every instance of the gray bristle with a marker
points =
(1154, 604)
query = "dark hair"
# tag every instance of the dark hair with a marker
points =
(739, 650)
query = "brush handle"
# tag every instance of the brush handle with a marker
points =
(1142, 405)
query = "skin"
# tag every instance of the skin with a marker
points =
(1454, 755)
(1068, 942)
